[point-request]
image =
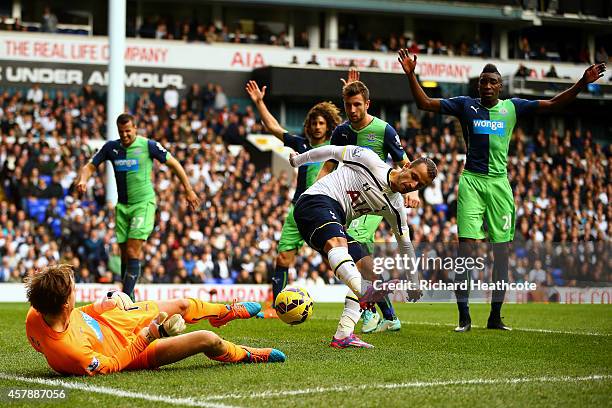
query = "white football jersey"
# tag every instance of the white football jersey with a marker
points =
(361, 186)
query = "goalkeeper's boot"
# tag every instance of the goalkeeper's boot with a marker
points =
(242, 310)
(270, 313)
(263, 355)
(497, 323)
(268, 310)
(388, 325)
(370, 321)
(350, 341)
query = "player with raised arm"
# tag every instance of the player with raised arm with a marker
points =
(363, 129)
(484, 191)
(132, 159)
(364, 185)
(320, 121)
(114, 334)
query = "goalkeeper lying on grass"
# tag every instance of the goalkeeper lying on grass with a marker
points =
(114, 334)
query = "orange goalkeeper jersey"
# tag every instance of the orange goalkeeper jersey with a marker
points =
(93, 343)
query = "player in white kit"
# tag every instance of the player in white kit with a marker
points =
(364, 185)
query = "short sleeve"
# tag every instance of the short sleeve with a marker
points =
(297, 143)
(101, 155)
(453, 106)
(158, 152)
(393, 144)
(524, 106)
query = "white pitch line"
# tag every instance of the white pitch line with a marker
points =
(115, 392)
(525, 329)
(416, 384)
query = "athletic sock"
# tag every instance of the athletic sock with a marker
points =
(232, 353)
(464, 310)
(500, 273)
(465, 251)
(279, 281)
(199, 310)
(123, 270)
(350, 316)
(344, 267)
(131, 277)
(386, 308)
(495, 310)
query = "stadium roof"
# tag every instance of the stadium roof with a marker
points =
(408, 7)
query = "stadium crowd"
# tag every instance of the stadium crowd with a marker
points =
(561, 184)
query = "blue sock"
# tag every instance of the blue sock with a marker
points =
(123, 270)
(279, 281)
(386, 308)
(131, 277)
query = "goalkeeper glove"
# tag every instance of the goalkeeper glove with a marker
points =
(123, 301)
(163, 326)
(104, 304)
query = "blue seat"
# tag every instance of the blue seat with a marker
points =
(521, 252)
(46, 178)
(56, 227)
(37, 208)
(441, 207)
(31, 203)
(557, 277)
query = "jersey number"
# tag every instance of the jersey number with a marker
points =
(137, 222)
(359, 205)
(507, 220)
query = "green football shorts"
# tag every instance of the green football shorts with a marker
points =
(291, 239)
(364, 228)
(485, 197)
(134, 221)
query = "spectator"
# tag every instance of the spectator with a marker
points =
(302, 40)
(413, 47)
(171, 97)
(35, 94)
(601, 56)
(541, 54)
(522, 71)
(537, 274)
(161, 31)
(49, 21)
(195, 99)
(524, 49)
(552, 72)
(54, 189)
(313, 60)
(221, 269)
(220, 99)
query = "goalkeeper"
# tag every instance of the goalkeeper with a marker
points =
(114, 334)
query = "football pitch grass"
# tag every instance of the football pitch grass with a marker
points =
(557, 355)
